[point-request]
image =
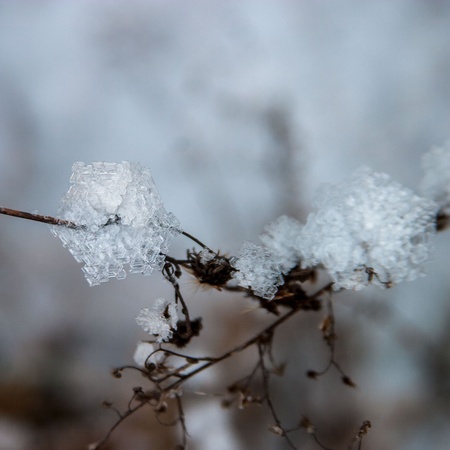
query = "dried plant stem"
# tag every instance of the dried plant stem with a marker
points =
(265, 375)
(197, 241)
(39, 218)
(69, 224)
(122, 417)
(254, 340)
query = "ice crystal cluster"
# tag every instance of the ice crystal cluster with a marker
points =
(122, 223)
(160, 320)
(368, 229)
(258, 269)
(261, 268)
(436, 180)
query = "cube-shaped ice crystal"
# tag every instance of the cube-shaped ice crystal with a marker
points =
(122, 223)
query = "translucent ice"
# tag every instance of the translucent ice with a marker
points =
(160, 320)
(122, 222)
(368, 229)
(257, 269)
(436, 180)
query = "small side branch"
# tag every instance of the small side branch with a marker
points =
(197, 241)
(327, 327)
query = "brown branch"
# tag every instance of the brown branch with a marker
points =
(248, 343)
(265, 376)
(39, 218)
(197, 241)
(327, 328)
(122, 417)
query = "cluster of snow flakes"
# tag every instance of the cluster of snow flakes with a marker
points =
(279, 237)
(257, 269)
(145, 354)
(368, 223)
(160, 320)
(122, 221)
(436, 180)
(261, 268)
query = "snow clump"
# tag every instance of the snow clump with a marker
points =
(279, 237)
(368, 229)
(257, 269)
(145, 354)
(121, 221)
(160, 320)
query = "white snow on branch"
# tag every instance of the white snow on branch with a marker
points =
(160, 320)
(436, 180)
(260, 268)
(145, 354)
(279, 237)
(257, 269)
(123, 221)
(368, 229)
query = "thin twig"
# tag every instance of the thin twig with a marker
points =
(38, 218)
(182, 420)
(246, 344)
(265, 375)
(123, 416)
(197, 241)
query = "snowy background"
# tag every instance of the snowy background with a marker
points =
(240, 110)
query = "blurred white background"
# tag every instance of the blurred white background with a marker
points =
(240, 110)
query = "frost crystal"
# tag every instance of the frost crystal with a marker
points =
(142, 354)
(436, 181)
(122, 221)
(368, 229)
(279, 237)
(160, 320)
(258, 269)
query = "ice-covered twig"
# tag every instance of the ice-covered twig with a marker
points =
(126, 227)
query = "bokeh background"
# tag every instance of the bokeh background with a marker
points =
(241, 110)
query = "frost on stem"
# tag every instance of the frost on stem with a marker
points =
(257, 269)
(436, 180)
(368, 229)
(160, 320)
(122, 220)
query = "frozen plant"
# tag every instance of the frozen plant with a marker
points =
(368, 229)
(258, 269)
(159, 321)
(436, 179)
(121, 221)
(261, 268)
